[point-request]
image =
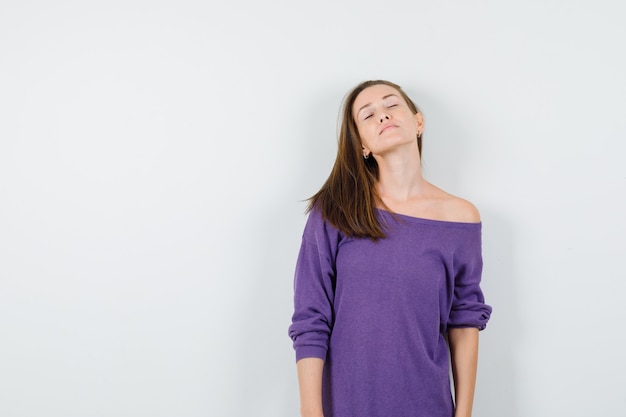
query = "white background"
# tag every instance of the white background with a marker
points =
(154, 156)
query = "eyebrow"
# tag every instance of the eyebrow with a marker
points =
(369, 104)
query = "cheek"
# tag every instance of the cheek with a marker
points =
(359, 132)
(364, 134)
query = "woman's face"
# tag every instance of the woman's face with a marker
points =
(384, 120)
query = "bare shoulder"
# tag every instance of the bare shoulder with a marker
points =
(435, 204)
(462, 210)
(457, 209)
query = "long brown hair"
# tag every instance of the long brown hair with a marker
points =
(348, 198)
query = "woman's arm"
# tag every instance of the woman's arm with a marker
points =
(310, 382)
(464, 353)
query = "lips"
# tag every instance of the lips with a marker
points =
(385, 127)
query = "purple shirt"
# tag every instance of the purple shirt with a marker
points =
(377, 312)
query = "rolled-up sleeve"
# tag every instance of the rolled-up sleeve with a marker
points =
(314, 287)
(468, 303)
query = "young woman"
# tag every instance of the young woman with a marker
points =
(387, 283)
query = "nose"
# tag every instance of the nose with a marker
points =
(383, 117)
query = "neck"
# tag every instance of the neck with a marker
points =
(400, 176)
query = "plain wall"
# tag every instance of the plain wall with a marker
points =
(154, 159)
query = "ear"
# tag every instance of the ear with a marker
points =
(365, 151)
(420, 123)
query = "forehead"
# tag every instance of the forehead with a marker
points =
(373, 94)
